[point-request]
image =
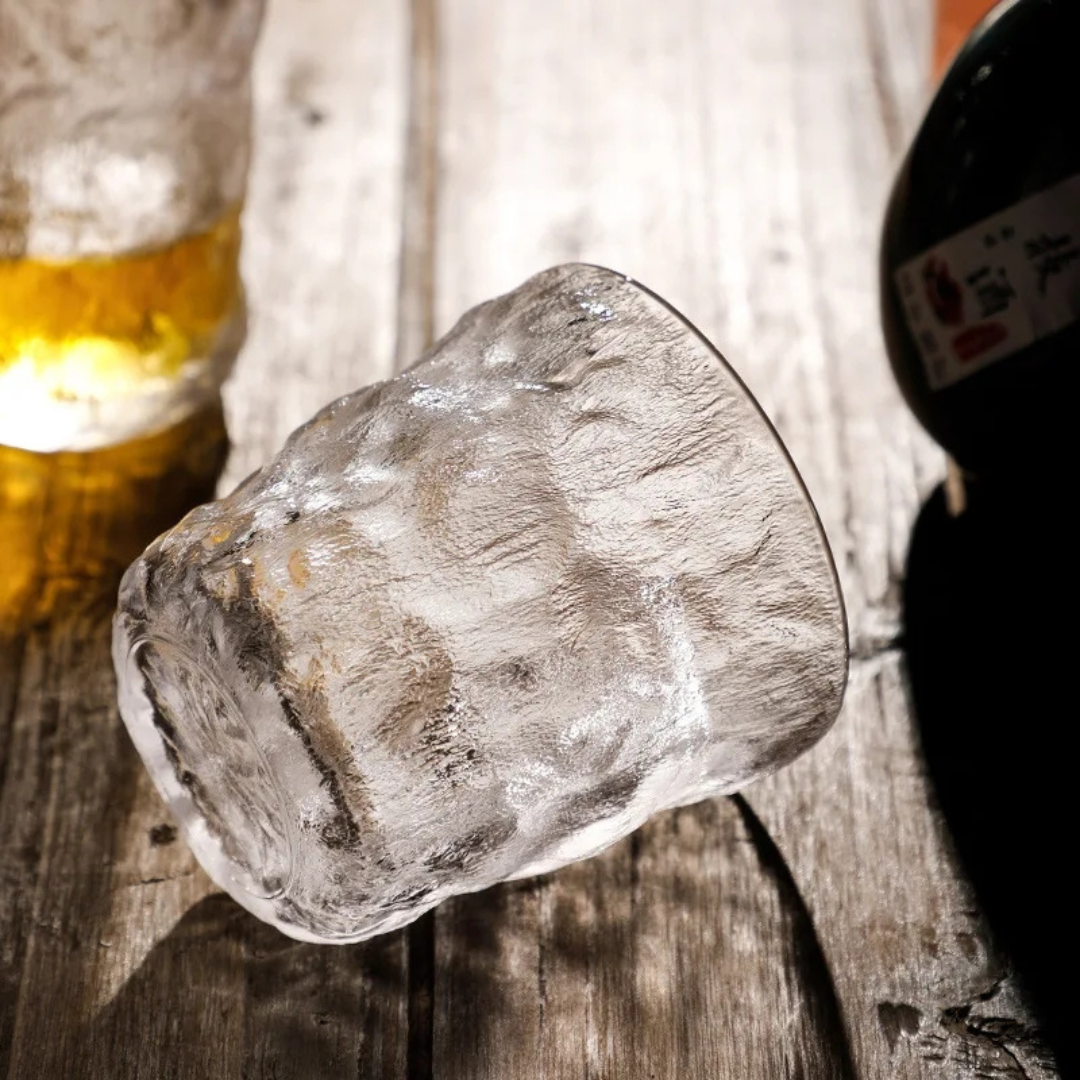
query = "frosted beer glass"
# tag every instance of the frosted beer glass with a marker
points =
(124, 144)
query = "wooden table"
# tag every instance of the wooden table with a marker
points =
(734, 157)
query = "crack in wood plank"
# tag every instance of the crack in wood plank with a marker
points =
(416, 283)
(415, 333)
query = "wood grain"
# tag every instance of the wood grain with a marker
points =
(117, 957)
(737, 162)
(412, 161)
(322, 228)
(683, 951)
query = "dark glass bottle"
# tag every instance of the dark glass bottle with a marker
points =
(980, 264)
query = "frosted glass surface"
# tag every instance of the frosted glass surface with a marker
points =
(485, 618)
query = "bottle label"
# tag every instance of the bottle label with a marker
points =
(997, 287)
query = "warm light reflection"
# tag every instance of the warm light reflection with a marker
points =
(72, 522)
(103, 342)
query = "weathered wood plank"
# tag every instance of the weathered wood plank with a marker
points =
(856, 818)
(416, 272)
(117, 956)
(67, 773)
(683, 951)
(735, 158)
(322, 228)
(917, 977)
(73, 793)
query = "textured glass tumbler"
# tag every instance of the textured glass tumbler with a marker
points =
(124, 144)
(485, 618)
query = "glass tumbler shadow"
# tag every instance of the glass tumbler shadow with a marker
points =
(485, 618)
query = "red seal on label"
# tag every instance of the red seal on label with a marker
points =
(976, 340)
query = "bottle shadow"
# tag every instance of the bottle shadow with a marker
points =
(72, 522)
(990, 640)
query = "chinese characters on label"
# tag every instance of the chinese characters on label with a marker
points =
(998, 286)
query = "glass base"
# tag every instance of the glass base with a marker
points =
(208, 766)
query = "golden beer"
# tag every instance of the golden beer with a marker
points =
(135, 335)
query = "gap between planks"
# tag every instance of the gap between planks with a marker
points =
(415, 333)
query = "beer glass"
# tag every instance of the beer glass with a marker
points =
(124, 143)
